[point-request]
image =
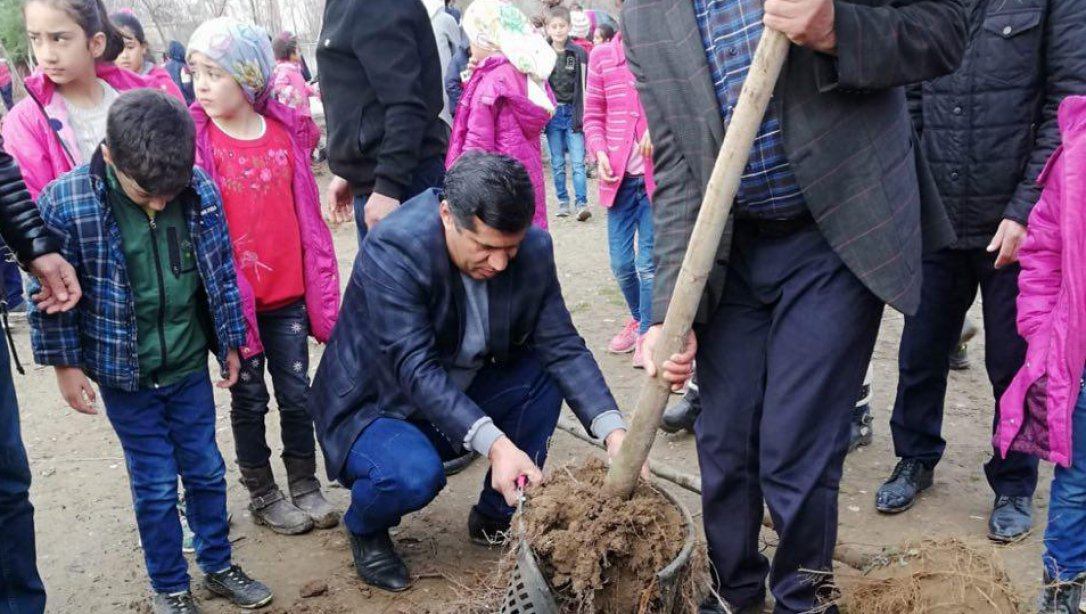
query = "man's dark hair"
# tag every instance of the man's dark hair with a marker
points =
(151, 138)
(559, 12)
(492, 187)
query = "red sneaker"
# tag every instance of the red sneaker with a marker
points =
(639, 354)
(625, 341)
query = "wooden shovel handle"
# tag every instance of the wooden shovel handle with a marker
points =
(700, 256)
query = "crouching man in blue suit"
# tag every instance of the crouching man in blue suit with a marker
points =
(453, 335)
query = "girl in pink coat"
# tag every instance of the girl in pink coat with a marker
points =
(290, 88)
(62, 121)
(617, 133)
(1043, 412)
(506, 102)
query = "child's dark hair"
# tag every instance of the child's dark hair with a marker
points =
(606, 31)
(152, 139)
(284, 46)
(492, 187)
(92, 17)
(559, 12)
(127, 20)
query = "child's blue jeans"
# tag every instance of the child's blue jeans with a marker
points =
(630, 218)
(561, 139)
(1065, 537)
(167, 432)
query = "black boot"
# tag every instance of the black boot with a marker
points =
(486, 531)
(460, 463)
(268, 505)
(910, 477)
(862, 433)
(305, 492)
(681, 415)
(377, 563)
(1059, 597)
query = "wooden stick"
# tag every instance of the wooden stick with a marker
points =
(700, 256)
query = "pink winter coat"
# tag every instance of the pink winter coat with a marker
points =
(614, 120)
(45, 146)
(495, 115)
(289, 87)
(1036, 410)
(321, 270)
(163, 81)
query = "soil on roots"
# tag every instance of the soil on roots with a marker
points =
(935, 577)
(602, 555)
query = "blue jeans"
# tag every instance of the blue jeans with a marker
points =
(629, 218)
(394, 467)
(21, 590)
(561, 139)
(167, 432)
(1065, 537)
(284, 333)
(430, 173)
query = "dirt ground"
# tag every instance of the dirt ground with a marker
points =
(91, 560)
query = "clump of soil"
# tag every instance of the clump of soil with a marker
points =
(601, 555)
(930, 577)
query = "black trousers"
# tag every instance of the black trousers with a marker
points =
(779, 365)
(951, 279)
(284, 333)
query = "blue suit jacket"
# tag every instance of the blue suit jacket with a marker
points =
(402, 321)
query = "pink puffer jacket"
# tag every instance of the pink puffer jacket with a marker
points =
(289, 87)
(320, 268)
(614, 120)
(37, 133)
(496, 115)
(1036, 410)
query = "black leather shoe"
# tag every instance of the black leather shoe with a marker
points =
(460, 463)
(681, 415)
(377, 563)
(1059, 597)
(862, 432)
(1011, 519)
(910, 478)
(486, 531)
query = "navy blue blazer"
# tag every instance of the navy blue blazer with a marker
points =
(402, 321)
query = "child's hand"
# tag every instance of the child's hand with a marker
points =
(233, 366)
(606, 174)
(76, 389)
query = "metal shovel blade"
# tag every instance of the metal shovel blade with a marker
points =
(528, 591)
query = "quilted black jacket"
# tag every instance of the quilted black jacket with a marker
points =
(987, 129)
(20, 224)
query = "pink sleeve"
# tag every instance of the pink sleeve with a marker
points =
(483, 119)
(24, 141)
(1041, 255)
(595, 107)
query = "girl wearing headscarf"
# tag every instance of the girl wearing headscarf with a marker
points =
(253, 147)
(506, 101)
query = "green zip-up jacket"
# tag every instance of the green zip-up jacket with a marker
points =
(172, 320)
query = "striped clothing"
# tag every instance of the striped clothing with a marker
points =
(730, 31)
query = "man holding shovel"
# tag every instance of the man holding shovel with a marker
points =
(830, 219)
(453, 335)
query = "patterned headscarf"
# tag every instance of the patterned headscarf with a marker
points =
(497, 25)
(241, 49)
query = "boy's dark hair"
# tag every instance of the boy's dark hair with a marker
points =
(492, 187)
(559, 12)
(125, 19)
(284, 45)
(92, 17)
(607, 32)
(152, 139)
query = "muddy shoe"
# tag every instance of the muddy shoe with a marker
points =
(269, 507)
(305, 492)
(239, 588)
(1061, 597)
(377, 562)
(174, 603)
(1011, 519)
(486, 531)
(910, 477)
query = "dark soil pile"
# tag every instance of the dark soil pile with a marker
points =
(601, 555)
(931, 577)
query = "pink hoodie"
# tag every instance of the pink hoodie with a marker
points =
(321, 270)
(496, 115)
(614, 120)
(1036, 410)
(37, 133)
